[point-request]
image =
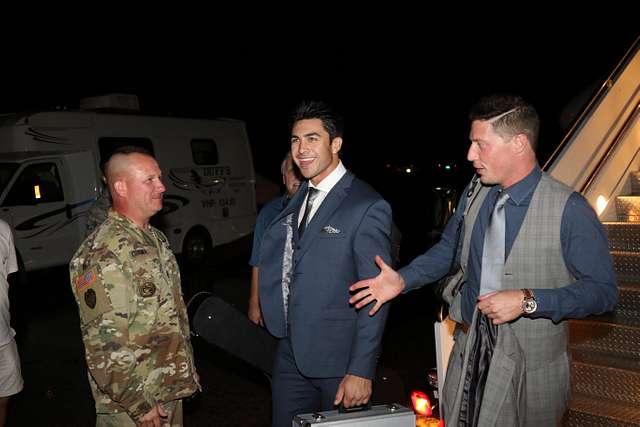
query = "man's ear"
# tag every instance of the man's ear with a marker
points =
(520, 142)
(120, 187)
(336, 145)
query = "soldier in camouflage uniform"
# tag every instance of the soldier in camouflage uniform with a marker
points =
(133, 319)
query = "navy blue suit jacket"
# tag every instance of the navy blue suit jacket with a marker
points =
(328, 336)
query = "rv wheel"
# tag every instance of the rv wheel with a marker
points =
(196, 245)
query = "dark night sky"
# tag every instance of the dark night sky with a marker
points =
(404, 93)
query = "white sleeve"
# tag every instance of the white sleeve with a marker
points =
(12, 261)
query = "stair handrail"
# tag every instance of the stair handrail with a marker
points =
(614, 143)
(595, 100)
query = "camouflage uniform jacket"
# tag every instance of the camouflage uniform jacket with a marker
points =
(133, 318)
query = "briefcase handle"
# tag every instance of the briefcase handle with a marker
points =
(363, 407)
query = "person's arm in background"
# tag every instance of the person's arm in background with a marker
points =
(255, 314)
(10, 252)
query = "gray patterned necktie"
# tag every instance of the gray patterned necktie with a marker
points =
(312, 193)
(493, 252)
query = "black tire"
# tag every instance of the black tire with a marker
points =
(196, 246)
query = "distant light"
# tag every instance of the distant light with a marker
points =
(36, 191)
(421, 404)
(438, 188)
(408, 170)
(601, 204)
(447, 167)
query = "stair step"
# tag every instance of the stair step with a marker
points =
(623, 236)
(628, 208)
(606, 376)
(589, 411)
(619, 318)
(604, 337)
(627, 311)
(607, 360)
(629, 299)
(626, 265)
(635, 183)
(633, 284)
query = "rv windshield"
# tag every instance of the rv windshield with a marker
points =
(6, 172)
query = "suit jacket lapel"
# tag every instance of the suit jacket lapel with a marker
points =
(293, 206)
(333, 200)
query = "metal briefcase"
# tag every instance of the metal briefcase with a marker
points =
(393, 415)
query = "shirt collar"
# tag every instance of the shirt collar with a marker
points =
(332, 179)
(128, 223)
(519, 191)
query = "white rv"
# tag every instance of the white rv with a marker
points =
(50, 175)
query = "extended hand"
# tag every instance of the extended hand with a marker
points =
(153, 418)
(385, 286)
(353, 391)
(501, 306)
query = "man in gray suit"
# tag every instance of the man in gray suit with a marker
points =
(556, 266)
(324, 240)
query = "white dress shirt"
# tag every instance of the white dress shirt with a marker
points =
(324, 186)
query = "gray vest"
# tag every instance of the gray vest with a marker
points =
(535, 261)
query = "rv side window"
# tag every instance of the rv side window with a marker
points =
(6, 173)
(37, 183)
(204, 151)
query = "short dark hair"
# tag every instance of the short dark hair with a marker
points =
(517, 116)
(331, 121)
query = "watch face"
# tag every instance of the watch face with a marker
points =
(530, 306)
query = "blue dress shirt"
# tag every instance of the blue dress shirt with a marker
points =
(584, 246)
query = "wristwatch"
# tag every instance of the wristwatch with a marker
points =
(529, 304)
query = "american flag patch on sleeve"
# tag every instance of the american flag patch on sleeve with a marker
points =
(86, 279)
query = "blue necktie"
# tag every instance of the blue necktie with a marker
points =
(312, 193)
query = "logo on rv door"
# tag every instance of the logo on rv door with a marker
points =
(208, 180)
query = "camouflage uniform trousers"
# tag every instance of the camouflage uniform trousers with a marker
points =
(122, 419)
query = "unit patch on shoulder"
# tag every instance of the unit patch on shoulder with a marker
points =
(92, 297)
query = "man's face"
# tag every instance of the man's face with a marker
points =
(144, 186)
(492, 156)
(313, 151)
(290, 178)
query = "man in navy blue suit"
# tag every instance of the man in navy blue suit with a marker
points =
(324, 240)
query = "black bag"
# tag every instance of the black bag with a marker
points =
(449, 286)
